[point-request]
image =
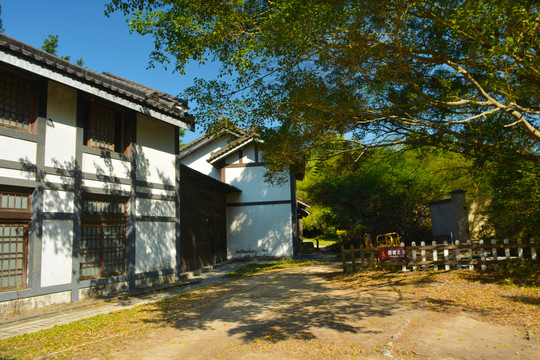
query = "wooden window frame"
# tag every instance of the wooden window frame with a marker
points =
(100, 220)
(119, 132)
(32, 111)
(15, 217)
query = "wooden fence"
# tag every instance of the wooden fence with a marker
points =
(443, 256)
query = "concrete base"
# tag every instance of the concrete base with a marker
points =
(154, 281)
(35, 302)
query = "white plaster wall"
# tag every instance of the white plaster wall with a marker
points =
(18, 150)
(248, 156)
(58, 201)
(56, 256)
(95, 164)
(58, 179)
(264, 230)
(17, 174)
(155, 151)
(152, 207)
(197, 160)
(107, 186)
(60, 139)
(146, 190)
(251, 181)
(155, 246)
(248, 153)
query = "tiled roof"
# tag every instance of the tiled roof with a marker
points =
(189, 148)
(236, 144)
(137, 93)
(246, 138)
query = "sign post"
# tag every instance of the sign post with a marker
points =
(392, 253)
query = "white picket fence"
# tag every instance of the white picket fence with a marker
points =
(444, 256)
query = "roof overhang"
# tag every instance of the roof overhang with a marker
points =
(203, 140)
(36, 61)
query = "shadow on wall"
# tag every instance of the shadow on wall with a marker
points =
(264, 230)
(261, 230)
(155, 240)
(251, 180)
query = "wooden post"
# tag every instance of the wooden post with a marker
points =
(435, 256)
(482, 256)
(471, 266)
(458, 256)
(495, 256)
(413, 256)
(423, 254)
(446, 256)
(344, 258)
(352, 258)
(404, 266)
(507, 250)
(520, 250)
(362, 256)
(533, 250)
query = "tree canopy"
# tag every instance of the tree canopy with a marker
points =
(384, 71)
(386, 191)
(346, 76)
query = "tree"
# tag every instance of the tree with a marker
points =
(50, 45)
(404, 70)
(1, 25)
(386, 191)
(362, 74)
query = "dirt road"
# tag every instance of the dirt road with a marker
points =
(301, 314)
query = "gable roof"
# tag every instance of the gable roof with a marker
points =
(207, 138)
(232, 147)
(114, 88)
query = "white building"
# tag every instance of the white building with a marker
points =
(93, 197)
(262, 218)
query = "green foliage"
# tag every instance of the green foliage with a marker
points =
(345, 76)
(387, 191)
(50, 44)
(519, 272)
(413, 69)
(1, 25)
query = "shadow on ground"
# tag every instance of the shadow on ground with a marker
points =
(280, 306)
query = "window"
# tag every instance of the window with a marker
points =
(16, 102)
(15, 214)
(103, 238)
(107, 128)
(101, 128)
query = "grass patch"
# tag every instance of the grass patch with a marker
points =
(253, 269)
(96, 337)
(322, 242)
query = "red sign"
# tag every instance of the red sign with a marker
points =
(393, 253)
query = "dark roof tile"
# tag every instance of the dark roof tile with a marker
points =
(165, 103)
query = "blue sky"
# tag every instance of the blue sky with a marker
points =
(105, 44)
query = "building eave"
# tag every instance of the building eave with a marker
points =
(107, 86)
